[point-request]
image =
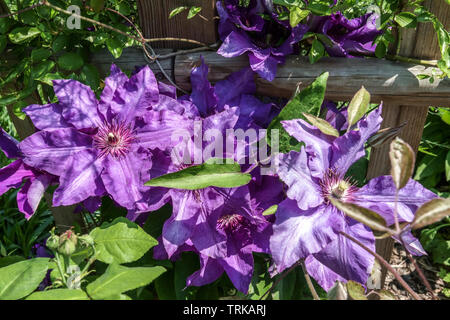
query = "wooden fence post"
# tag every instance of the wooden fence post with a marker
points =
(421, 43)
(155, 22)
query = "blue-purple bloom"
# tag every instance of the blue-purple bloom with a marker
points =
(267, 42)
(348, 37)
(31, 181)
(308, 226)
(103, 147)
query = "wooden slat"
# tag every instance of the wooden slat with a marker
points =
(131, 58)
(155, 22)
(420, 44)
(383, 79)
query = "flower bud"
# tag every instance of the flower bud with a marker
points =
(52, 242)
(86, 240)
(68, 243)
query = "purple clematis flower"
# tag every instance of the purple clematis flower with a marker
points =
(348, 37)
(308, 226)
(244, 230)
(267, 42)
(15, 174)
(104, 147)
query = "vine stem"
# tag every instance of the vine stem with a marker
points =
(309, 282)
(34, 6)
(419, 270)
(386, 265)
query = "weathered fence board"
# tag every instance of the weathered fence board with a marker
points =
(383, 79)
(155, 22)
(420, 43)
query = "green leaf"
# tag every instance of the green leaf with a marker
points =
(22, 278)
(358, 106)
(270, 210)
(23, 34)
(296, 15)
(17, 109)
(97, 5)
(90, 76)
(447, 166)
(193, 11)
(70, 61)
(39, 70)
(3, 43)
(406, 20)
(115, 47)
(49, 77)
(15, 72)
(368, 217)
(124, 8)
(381, 50)
(37, 55)
(309, 100)
(203, 176)
(6, 261)
(177, 10)
(355, 290)
(60, 42)
(59, 294)
(402, 162)
(323, 125)
(119, 279)
(121, 241)
(431, 212)
(338, 292)
(317, 51)
(5, 24)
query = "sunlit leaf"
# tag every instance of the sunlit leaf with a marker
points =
(321, 124)
(402, 162)
(431, 212)
(358, 106)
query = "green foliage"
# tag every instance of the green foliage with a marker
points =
(118, 242)
(121, 241)
(203, 176)
(309, 101)
(46, 49)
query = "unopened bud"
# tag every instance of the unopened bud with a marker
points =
(67, 243)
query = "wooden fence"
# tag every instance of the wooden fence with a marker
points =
(405, 98)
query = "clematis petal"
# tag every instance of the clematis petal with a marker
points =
(235, 44)
(379, 195)
(158, 127)
(348, 148)
(31, 193)
(51, 150)
(180, 226)
(48, 116)
(9, 145)
(124, 178)
(293, 170)
(264, 66)
(324, 276)
(229, 90)
(79, 104)
(203, 95)
(135, 95)
(13, 174)
(413, 244)
(318, 145)
(299, 233)
(115, 80)
(80, 180)
(210, 271)
(239, 268)
(346, 258)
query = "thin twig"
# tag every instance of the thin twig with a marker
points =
(386, 265)
(309, 282)
(419, 270)
(34, 6)
(212, 47)
(177, 39)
